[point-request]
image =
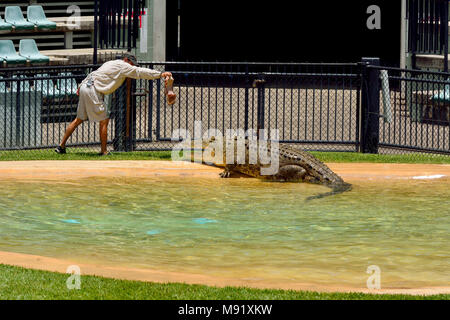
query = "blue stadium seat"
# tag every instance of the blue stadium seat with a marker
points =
(36, 15)
(2, 85)
(4, 26)
(67, 86)
(443, 95)
(24, 85)
(29, 50)
(44, 84)
(8, 53)
(14, 16)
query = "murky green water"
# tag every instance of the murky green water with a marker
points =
(240, 228)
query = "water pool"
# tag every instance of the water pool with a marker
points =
(237, 228)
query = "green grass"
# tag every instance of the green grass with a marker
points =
(381, 158)
(20, 283)
(81, 154)
(343, 157)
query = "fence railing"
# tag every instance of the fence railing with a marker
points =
(428, 28)
(358, 107)
(415, 112)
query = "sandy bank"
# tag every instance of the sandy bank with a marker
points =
(58, 170)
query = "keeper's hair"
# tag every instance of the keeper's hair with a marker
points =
(130, 57)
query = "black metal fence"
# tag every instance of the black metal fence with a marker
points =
(358, 107)
(313, 105)
(38, 104)
(414, 110)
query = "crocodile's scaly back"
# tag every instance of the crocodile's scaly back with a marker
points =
(312, 165)
(318, 172)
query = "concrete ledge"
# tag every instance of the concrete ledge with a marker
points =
(430, 61)
(79, 56)
(86, 24)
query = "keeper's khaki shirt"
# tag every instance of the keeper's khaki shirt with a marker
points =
(112, 74)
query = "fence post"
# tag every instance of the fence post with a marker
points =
(158, 109)
(124, 113)
(150, 109)
(370, 106)
(130, 123)
(413, 17)
(247, 82)
(444, 24)
(19, 129)
(260, 84)
(94, 58)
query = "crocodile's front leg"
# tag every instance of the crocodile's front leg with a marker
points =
(291, 173)
(228, 170)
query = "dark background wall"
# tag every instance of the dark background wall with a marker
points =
(281, 30)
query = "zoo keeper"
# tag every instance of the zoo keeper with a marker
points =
(105, 80)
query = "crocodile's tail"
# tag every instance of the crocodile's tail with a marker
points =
(337, 189)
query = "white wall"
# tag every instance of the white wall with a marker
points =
(159, 30)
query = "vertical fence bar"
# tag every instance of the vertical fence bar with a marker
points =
(246, 104)
(444, 24)
(370, 106)
(113, 26)
(94, 58)
(130, 24)
(158, 109)
(413, 36)
(259, 84)
(119, 21)
(150, 108)
(128, 112)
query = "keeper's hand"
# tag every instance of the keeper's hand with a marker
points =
(166, 74)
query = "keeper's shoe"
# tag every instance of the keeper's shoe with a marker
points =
(60, 150)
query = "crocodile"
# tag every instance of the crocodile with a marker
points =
(294, 165)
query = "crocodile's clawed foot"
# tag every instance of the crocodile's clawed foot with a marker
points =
(225, 174)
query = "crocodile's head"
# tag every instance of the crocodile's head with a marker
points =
(208, 149)
(202, 144)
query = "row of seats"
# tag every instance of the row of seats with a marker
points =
(28, 52)
(14, 19)
(64, 87)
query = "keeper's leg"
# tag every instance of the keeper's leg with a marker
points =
(70, 129)
(104, 135)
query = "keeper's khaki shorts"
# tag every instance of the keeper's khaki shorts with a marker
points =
(91, 104)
